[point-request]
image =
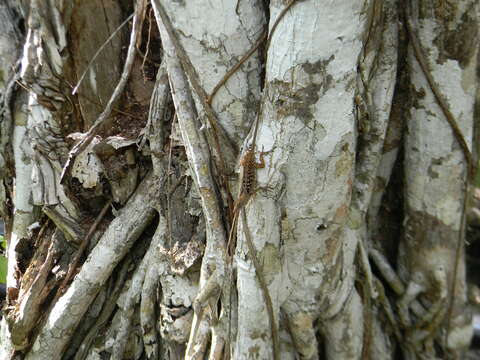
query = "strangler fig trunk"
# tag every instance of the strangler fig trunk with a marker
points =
(142, 224)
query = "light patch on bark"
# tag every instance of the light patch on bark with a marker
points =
(87, 167)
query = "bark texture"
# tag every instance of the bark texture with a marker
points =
(123, 129)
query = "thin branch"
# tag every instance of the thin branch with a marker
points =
(134, 38)
(458, 254)
(195, 143)
(202, 95)
(234, 69)
(86, 240)
(197, 148)
(250, 52)
(176, 184)
(100, 49)
(147, 59)
(169, 184)
(109, 306)
(114, 244)
(147, 46)
(277, 21)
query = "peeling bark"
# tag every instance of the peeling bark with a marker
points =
(119, 188)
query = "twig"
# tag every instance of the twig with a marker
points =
(81, 249)
(202, 95)
(232, 71)
(277, 21)
(169, 184)
(176, 184)
(148, 42)
(147, 59)
(90, 63)
(134, 37)
(109, 305)
(250, 52)
(458, 254)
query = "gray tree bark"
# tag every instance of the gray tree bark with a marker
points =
(123, 138)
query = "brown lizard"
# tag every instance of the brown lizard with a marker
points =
(249, 166)
(247, 190)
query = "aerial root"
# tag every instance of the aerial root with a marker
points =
(427, 326)
(413, 290)
(419, 334)
(218, 343)
(147, 311)
(210, 290)
(302, 331)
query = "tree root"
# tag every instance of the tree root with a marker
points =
(210, 290)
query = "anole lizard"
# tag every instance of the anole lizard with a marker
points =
(247, 190)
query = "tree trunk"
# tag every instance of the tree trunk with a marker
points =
(244, 180)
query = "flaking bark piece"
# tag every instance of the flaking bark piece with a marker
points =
(183, 257)
(118, 158)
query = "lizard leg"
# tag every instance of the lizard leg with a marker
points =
(261, 164)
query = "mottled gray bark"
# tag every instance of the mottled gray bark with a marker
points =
(120, 197)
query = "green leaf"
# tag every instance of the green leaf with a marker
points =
(3, 269)
(3, 242)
